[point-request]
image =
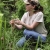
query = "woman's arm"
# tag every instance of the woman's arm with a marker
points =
(18, 26)
(32, 26)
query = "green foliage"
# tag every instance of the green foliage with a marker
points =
(9, 37)
(5, 8)
(1, 6)
(1, 15)
(20, 8)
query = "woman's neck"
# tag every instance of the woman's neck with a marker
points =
(31, 13)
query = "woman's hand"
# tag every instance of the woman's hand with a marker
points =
(11, 22)
(15, 23)
(18, 22)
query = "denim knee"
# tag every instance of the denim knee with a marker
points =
(21, 42)
(24, 32)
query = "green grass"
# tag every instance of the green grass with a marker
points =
(9, 38)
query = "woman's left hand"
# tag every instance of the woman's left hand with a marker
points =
(18, 22)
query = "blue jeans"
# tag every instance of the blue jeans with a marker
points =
(30, 34)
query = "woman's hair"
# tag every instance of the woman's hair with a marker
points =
(38, 7)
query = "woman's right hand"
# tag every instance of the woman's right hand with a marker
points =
(11, 22)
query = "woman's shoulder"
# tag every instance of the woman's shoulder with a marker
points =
(25, 15)
(40, 13)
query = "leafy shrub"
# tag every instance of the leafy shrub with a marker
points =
(20, 8)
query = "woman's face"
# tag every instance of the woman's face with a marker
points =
(29, 7)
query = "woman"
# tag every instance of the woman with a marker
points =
(33, 21)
